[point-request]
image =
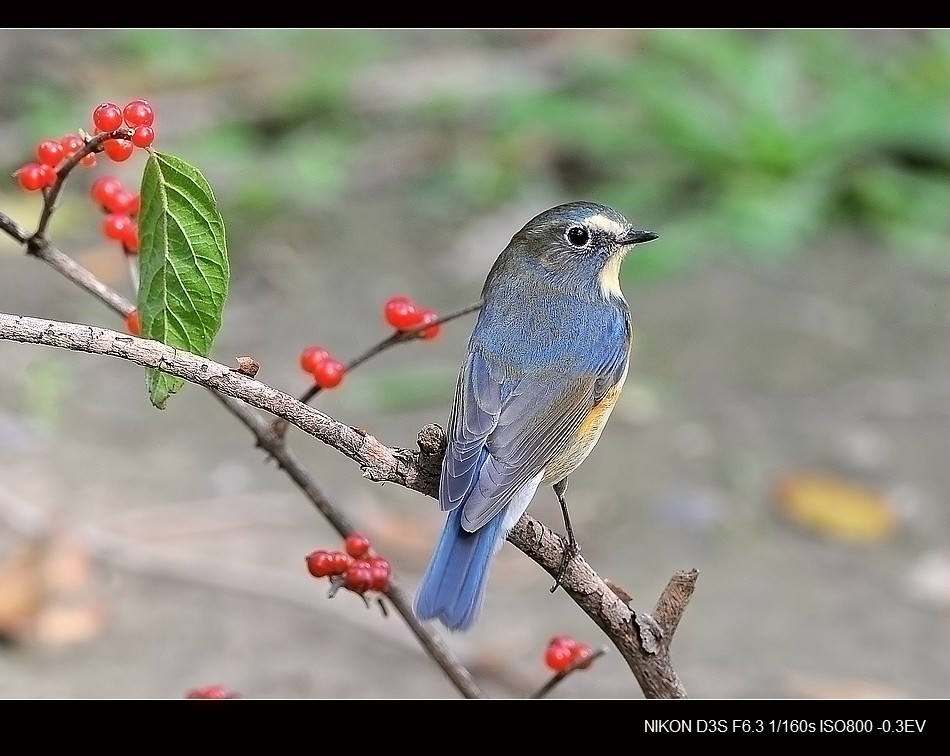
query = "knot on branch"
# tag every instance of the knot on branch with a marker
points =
(248, 366)
(36, 244)
(432, 443)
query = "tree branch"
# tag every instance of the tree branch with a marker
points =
(642, 641)
(272, 441)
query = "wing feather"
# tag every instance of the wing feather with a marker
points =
(504, 430)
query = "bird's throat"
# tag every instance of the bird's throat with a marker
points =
(610, 276)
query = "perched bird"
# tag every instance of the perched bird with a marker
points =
(544, 367)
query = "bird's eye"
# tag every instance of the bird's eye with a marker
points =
(578, 236)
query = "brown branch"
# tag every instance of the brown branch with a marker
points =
(378, 462)
(648, 660)
(73, 271)
(229, 385)
(642, 640)
(13, 229)
(274, 444)
(672, 602)
(646, 653)
(269, 437)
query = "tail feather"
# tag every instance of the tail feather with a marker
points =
(453, 586)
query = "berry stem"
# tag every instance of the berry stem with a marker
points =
(133, 263)
(558, 676)
(50, 195)
(394, 338)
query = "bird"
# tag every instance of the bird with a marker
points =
(545, 363)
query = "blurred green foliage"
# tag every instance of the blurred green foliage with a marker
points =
(757, 142)
(753, 142)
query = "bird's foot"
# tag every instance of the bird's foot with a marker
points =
(571, 549)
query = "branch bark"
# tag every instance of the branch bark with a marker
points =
(641, 640)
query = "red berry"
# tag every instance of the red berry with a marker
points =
(320, 563)
(107, 116)
(329, 373)
(428, 315)
(358, 576)
(130, 238)
(557, 656)
(380, 571)
(103, 189)
(123, 201)
(143, 136)
(50, 152)
(356, 545)
(49, 175)
(579, 653)
(138, 113)
(118, 149)
(89, 160)
(211, 692)
(341, 562)
(132, 323)
(311, 356)
(560, 652)
(72, 143)
(115, 225)
(33, 176)
(400, 312)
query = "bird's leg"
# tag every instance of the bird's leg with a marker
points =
(572, 548)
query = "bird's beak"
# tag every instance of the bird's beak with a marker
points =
(636, 236)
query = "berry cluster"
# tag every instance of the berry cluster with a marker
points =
(137, 116)
(356, 568)
(565, 653)
(120, 206)
(327, 370)
(403, 315)
(50, 153)
(213, 691)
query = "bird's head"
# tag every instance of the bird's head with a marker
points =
(580, 244)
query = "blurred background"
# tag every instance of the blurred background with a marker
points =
(784, 428)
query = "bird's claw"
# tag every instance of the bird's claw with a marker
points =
(571, 550)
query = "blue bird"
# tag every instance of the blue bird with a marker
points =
(545, 364)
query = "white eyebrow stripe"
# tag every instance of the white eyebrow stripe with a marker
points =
(604, 223)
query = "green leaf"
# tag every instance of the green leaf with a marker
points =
(183, 264)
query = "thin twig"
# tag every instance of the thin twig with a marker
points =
(287, 461)
(397, 337)
(92, 144)
(558, 677)
(73, 271)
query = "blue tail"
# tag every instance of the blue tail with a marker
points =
(453, 586)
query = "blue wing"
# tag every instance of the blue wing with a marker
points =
(511, 419)
(507, 425)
